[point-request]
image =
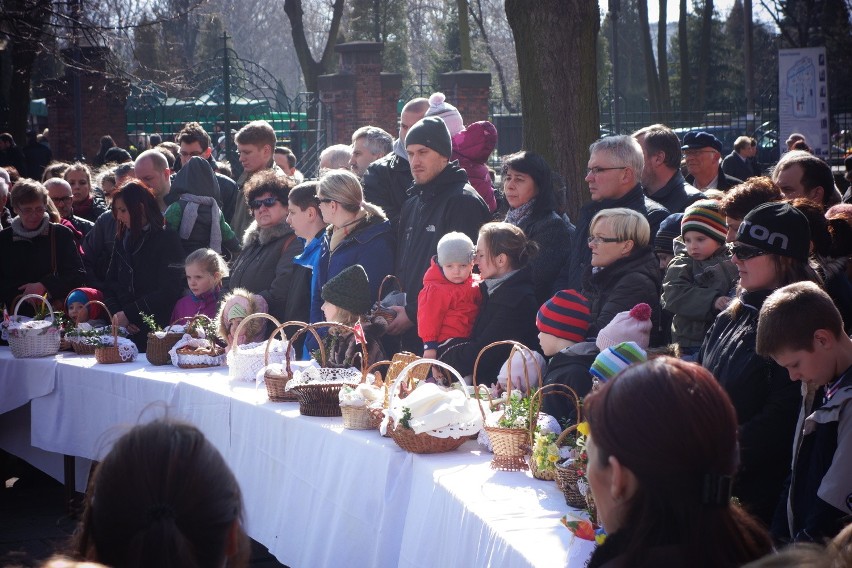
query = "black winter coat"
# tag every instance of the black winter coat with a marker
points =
(765, 398)
(621, 285)
(508, 313)
(571, 275)
(386, 184)
(677, 195)
(570, 368)
(553, 234)
(145, 276)
(97, 250)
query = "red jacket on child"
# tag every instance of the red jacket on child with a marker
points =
(446, 310)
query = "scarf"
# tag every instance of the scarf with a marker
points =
(340, 233)
(520, 214)
(22, 233)
(84, 208)
(491, 284)
(190, 216)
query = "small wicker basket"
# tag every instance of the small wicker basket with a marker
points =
(364, 417)
(245, 366)
(510, 445)
(556, 389)
(40, 342)
(276, 383)
(157, 349)
(107, 354)
(380, 310)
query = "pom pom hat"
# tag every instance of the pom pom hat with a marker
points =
(566, 316)
(615, 359)
(634, 325)
(438, 106)
(704, 217)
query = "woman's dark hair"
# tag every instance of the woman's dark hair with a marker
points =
(533, 165)
(141, 205)
(505, 238)
(163, 496)
(672, 425)
(267, 181)
(742, 198)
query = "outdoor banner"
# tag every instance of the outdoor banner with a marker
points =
(803, 97)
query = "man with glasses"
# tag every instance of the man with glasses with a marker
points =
(194, 141)
(615, 166)
(59, 191)
(703, 153)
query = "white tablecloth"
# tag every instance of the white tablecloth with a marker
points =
(20, 383)
(317, 494)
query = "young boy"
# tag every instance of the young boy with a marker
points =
(448, 304)
(700, 277)
(801, 329)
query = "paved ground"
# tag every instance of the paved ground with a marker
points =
(34, 523)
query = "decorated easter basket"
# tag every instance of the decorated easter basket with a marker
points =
(510, 444)
(276, 379)
(198, 352)
(36, 338)
(111, 349)
(322, 397)
(446, 440)
(569, 478)
(549, 473)
(381, 310)
(246, 360)
(364, 417)
(161, 342)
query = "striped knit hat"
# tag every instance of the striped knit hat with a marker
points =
(566, 315)
(615, 359)
(704, 216)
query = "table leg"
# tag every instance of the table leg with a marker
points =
(70, 479)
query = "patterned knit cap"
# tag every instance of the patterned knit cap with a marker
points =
(704, 217)
(613, 360)
(566, 315)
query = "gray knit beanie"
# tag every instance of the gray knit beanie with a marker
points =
(455, 247)
(431, 132)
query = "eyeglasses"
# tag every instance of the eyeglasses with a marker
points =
(596, 170)
(267, 202)
(65, 199)
(598, 240)
(745, 252)
(32, 210)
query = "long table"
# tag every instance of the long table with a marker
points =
(315, 493)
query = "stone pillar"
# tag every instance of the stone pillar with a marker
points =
(103, 107)
(468, 91)
(360, 94)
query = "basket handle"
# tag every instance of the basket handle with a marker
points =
(516, 347)
(386, 363)
(555, 389)
(280, 328)
(250, 317)
(42, 298)
(180, 319)
(561, 439)
(382, 285)
(433, 362)
(331, 325)
(109, 315)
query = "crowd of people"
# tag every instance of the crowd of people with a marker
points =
(735, 287)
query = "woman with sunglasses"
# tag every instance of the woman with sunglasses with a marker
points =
(265, 265)
(624, 271)
(771, 250)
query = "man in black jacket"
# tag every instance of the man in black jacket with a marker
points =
(387, 180)
(441, 201)
(661, 177)
(615, 164)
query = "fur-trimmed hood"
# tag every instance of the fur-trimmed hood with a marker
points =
(257, 235)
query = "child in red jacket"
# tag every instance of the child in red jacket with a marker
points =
(449, 301)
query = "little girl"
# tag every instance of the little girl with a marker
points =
(346, 297)
(237, 306)
(205, 269)
(449, 301)
(75, 307)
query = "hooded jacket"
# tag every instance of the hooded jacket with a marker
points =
(265, 267)
(621, 285)
(764, 397)
(446, 309)
(444, 204)
(386, 184)
(471, 147)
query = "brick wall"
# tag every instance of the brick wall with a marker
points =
(469, 92)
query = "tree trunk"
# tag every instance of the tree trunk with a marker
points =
(312, 69)
(704, 53)
(663, 59)
(464, 35)
(651, 78)
(685, 72)
(555, 44)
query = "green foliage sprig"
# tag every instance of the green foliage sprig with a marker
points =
(150, 322)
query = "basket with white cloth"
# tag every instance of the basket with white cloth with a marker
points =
(245, 360)
(30, 337)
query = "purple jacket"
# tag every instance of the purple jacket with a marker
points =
(471, 147)
(190, 305)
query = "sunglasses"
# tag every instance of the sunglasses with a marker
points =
(745, 252)
(267, 202)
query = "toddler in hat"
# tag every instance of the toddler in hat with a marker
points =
(78, 312)
(346, 300)
(449, 301)
(562, 323)
(700, 279)
(237, 306)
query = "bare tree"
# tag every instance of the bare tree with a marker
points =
(663, 58)
(683, 41)
(704, 53)
(479, 19)
(651, 77)
(312, 68)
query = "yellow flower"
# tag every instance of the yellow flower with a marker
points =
(583, 428)
(552, 458)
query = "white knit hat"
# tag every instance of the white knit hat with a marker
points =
(438, 106)
(634, 325)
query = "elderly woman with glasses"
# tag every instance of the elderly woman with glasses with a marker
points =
(624, 270)
(265, 265)
(770, 251)
(39, 257)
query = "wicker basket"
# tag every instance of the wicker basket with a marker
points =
(510, 445)
(379, 310)
(424, 442)
(212, 354)
(567, 480)
(245, 366)
(323, 399)
(157, 349)
(557, 389)
(83, 347)
(38, 342)
(276, 383)
(365, 417)
(108, 354)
